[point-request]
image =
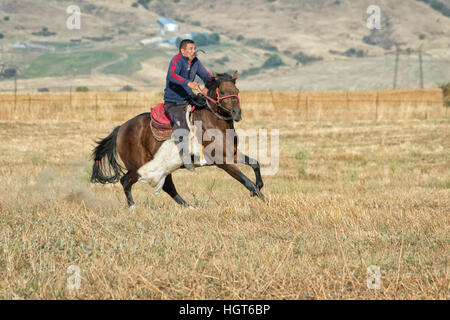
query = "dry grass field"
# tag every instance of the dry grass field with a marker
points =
(352, 191)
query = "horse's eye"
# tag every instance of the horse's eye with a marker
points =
(222, 93)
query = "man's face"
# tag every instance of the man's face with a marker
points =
(189, 51)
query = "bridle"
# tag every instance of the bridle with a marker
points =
(217, 102)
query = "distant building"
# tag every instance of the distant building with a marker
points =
(20, 45)
(167, 25)
(150, 40)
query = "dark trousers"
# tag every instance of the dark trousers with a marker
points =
(177, 114)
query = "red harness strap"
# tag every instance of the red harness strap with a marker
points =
(221, 98)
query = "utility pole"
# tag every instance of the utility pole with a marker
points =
(2, 60)
(408, 51)
(397, 54)
(420, 67)
(15, 88)
(408, 68)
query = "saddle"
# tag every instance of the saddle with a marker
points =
(160, 123)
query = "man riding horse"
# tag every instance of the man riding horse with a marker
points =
(136, 145)
(178, 92)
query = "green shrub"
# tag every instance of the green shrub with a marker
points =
(438, 6)
(274, 61)
(250, 72)
(44, 33)
(82, 89)
(222, 60)
(261, 43)
(446, 92)
(214, 38)
(9, 73)
(352, 52)
(200, 40)
(144, 3)
(305, 59)
(98, 39)
(127, 88)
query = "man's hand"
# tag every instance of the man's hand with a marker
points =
(194, 85)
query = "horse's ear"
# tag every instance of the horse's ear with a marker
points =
(215, 76)
(235, 76)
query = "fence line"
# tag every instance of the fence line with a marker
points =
(317, 106)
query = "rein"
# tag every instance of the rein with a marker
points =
(218, 115)
(217, 102)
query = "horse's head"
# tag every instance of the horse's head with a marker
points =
(222, 88)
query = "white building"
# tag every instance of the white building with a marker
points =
(150, 40)
(167, 25)
(20, 45)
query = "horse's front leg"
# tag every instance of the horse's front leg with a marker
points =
(256, 168)
(234, 171)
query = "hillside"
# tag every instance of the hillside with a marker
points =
(333, 32)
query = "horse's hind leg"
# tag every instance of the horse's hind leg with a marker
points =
(170, 189)
(127, 182)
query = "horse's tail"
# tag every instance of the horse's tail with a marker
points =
(106, 169)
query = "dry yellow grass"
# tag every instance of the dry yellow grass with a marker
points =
(348, 194)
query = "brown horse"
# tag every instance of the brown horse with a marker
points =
(133, 141)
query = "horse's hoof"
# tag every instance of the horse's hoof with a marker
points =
(258, 193)
(132, 207)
